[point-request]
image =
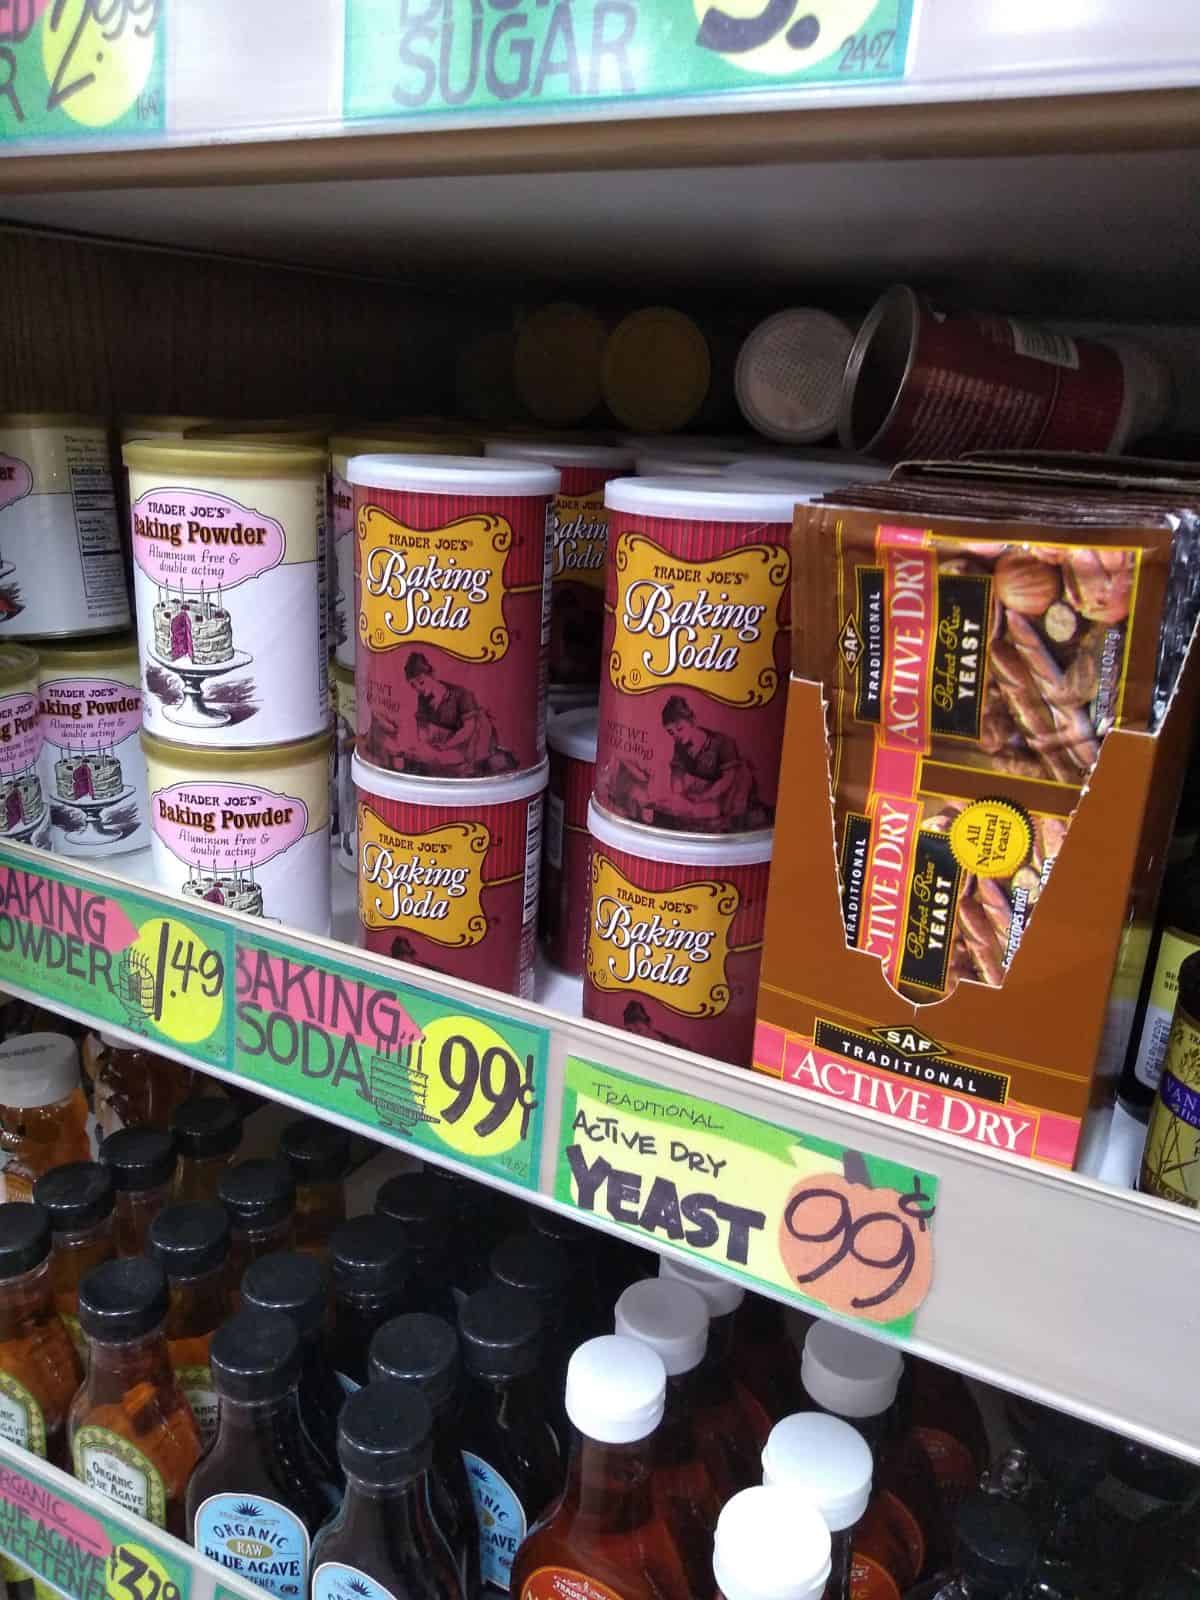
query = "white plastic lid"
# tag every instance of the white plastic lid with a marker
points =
(798, 476)
(1148, 401)
(561, 454)
(616, 1390)
(827, 1460)
(452, 475)
(771, 1544)
(668, 1316)
(788, 379)
(37, 1069)
(700, 499)
(847, 1373)
(573, 733)
(720, 1295)
(684, 444)
(683, 849)
(697, 464)
(465, 792)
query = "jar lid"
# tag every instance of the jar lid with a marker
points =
(557, 359)
(682, 849)
(315, 1151)
(255, 1355)
(290, 1282)
(257, 1194)
(189, 1240)
(847, 1373)
(657, 369)
(771, 1544)
(720, 1295)
(467, 793)
(122, 1300)
(37, 1069)
(116, 650)
(206, 761)
(77, 1195)
(562, 453)
(558, 1226)
(537, 1266)
(501, 1332)
(788, 378)
(460, 475)
(51, 419)
(420, 1350)
(669, 464)
(574, 733)
(694, 499)
(616, 1389)
(369, 1255)
(827, 1460)
(385, 440)
(421, 1204)
(18, 665)
(206, 1126)
(669, 1317)
(240, 456)
(24, 1237)
(165, 425)
(139, 1158)
(995, 1544)
(385, 1433)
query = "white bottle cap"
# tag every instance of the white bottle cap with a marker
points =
(616, 1390)
(827, 1460)
(720, 1295)
(771, 1544)
(847, 1373)
(668, 1317)
(37, 1069)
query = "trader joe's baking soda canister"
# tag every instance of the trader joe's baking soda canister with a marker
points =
(231, 631)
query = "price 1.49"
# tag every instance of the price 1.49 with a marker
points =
(180, 958)
(173, 979)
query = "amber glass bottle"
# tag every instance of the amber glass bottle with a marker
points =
(771, 1544)
(43, 1115)
(191, 1244)
(604, 1537)
(384, 1544)
(318, 1157)
(672, 1320)
(80, 1199)
(422, 1351)
(207, 1133)
(370, 1283)
(39, 1367)
(257, 1497)
(134, 1087)
(141, 1161)
(132, 1434)
(764, 1357)
(536, 1265)
(422, 1204)
(260, 1197)
(943, 1422)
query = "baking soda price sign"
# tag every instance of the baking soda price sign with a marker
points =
(90, 68)
(843, 1230)
(452, 1079)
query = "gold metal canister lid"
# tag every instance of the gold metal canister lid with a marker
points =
(17, 665)
(248, 759)
(557, 362)
(113, 650)
(385, 440)
(657, 369)
(232, 458)
(51, 419)
(154, 425)
(312, 430)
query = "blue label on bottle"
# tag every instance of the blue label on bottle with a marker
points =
(257, 1538)
(334, 1580)
(501, 1519)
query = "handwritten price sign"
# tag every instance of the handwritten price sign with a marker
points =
(81, 67)
(133, 1572)
(840, 1229)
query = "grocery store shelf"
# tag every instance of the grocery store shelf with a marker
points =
(1051, 1284)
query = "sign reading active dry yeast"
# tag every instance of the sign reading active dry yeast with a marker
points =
(425, 56)
(840, 1228)
(81, 68)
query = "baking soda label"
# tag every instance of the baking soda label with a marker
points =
(258, 1539)
(118, 1470)
(443, 587)
(430, 882)
(195, 540)
(579, 538)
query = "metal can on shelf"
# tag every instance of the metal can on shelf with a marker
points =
(674, 938)
(566, 847)
(246, 830)
(227, 541)
(697, 653)
(61, 568)
(344, 724)
(343, 630)
(1171, 1160)
(788, 379)
(448, 873)
(24, 811)
(454, 607)
(93, 769)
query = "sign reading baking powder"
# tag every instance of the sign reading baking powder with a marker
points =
(840, 1228)
(413, 57)
(81, 67)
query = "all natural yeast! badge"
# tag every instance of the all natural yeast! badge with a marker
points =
(441, 586)
(194, 539)
(991, 838)
(431, 882)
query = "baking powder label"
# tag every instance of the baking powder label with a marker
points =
(20, 732)
(443, 587)
(91, 712)
(430, 882)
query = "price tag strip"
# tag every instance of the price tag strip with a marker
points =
(843, 1230)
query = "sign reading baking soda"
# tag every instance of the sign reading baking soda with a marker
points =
(841, 1229)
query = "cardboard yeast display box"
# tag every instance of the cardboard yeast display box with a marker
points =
(1016, 1065)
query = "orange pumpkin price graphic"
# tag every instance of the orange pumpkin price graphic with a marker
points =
(863, 1251)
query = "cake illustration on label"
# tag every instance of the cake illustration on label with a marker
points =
(235, 890)
(97, 776)
(22, 804)
(193, 642)
(455, 734)
(92, 803)
(196, 627)
(232, 839)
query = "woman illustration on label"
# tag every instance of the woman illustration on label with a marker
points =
(456, 736)
(711, 782)
(636, 1019)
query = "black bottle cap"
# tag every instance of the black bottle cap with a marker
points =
(368, 1255)
(563, 1230)
(422, 1205)
(24, 1238)
(1189, 985)
(385, 1433)
(288, 1282)
(315, 1152)
(996, 1543)
(417, 1349)
(535, 1264)
(122, 1300)
(257, 1194)
(206, 1126)
(77, 1195)
(139, 1158)
(189, 1240)
(255, 1356)
(501, 1332)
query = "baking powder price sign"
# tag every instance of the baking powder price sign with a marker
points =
(843, 1230)
(81, 68)
(400, 1059)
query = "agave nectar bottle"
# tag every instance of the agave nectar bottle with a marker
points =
(260, 1197)
(257, 1497)
(318, 1156)
(141, 1162)
(39, 1367)
(191, 1244)
(370, 1281)
(535, 1265)
(132, 1434)
(80, 1199)
(771, 1544)
(208, 1131)
(422, 1203)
